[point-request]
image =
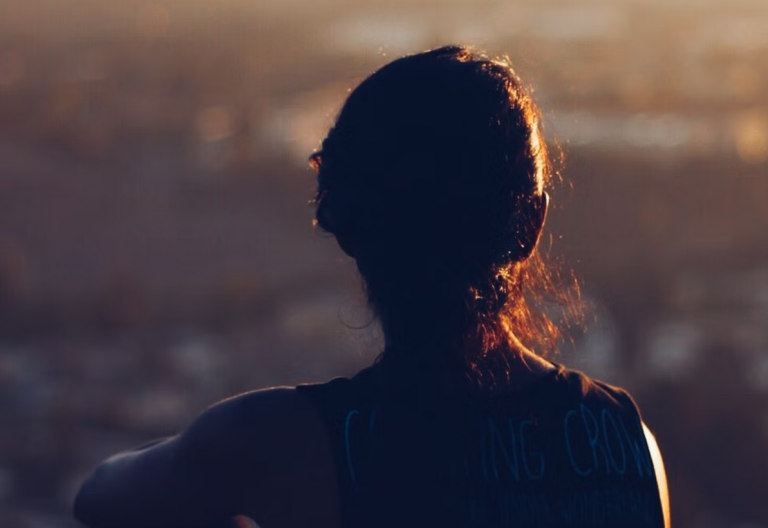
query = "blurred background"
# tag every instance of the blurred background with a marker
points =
(157, 253)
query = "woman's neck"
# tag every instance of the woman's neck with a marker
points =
(452, 364)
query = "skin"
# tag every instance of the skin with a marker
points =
(211, 472)
(661, 474)
(263, 454)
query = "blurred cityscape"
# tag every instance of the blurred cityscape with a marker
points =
(157, 253)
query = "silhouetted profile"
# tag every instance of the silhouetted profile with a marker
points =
(433, 178)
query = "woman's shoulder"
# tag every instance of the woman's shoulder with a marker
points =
(245, 455)
(264, 420)
(340, 391)
(580, 387)
(277, 449)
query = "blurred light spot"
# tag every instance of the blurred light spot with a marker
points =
(673, 350)
(153, 21)
(599, 353)
(671, 131)
(299, 127)
(751, 138)
(215, 123)
(11, 68)
(639, 131)
(373, 32)
(195, 359)
(577, 22)
(666, 131)
(582, 129)
(757, 374)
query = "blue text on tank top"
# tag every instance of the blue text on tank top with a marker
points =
(597, 441)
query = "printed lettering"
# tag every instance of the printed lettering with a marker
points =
(533, 461)
(347, 445)
(638, 449)
(593, 433)
(607, 418)
(569, 416)
(497, 443)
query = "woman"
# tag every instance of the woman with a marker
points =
(434, 180)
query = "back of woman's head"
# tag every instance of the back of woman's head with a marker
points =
(433, 178)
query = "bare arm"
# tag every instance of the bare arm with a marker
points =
(661, 474)
(162, 484)
(194, 479)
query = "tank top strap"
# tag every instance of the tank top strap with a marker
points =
(346, 406)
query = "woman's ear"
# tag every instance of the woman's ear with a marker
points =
(531, 218)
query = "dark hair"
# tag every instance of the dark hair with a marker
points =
(433, 178)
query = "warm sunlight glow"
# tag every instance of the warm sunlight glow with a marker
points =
(153, 21)
(536, 146)
(751, 138)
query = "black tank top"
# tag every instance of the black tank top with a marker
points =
(569, 451)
